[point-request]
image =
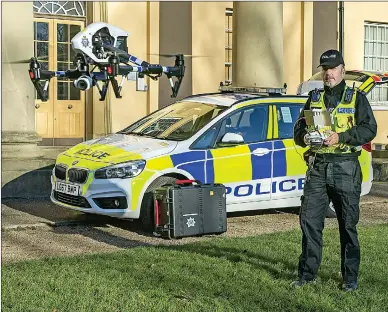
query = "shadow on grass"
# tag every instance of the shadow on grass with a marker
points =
(45, 209)
(276, 265)
(238, 255)
(101, 236)
(67, 221)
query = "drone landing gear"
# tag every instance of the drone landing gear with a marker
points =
(103, 91)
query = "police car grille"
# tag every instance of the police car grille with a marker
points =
(77, 175)
(78, 201)
(60, 172)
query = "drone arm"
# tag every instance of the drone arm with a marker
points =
(37, 74)
(155, 69)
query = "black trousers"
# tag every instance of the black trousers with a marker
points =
(340, 182)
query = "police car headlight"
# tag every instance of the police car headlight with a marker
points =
(124, 170)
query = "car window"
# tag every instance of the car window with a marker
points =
(176, 122)
(250, 122)
(207, 139)
(287, 116)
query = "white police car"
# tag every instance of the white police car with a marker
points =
(241, 137)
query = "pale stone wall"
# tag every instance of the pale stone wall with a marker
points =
(356, 13)
(258, 44)
(293, 40)
(18, 135)
(140, 19)
(208, 39)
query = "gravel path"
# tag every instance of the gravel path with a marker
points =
(107, 235)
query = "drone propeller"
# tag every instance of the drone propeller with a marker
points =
(175, 55)
(41, 58)
(27, 61)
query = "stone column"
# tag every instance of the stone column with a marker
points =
(19, 138)
(258, 44)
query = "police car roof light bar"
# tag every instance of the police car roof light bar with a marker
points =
(252, 89)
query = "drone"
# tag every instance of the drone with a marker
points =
(104, 46)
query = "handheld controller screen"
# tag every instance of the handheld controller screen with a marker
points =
(321, 121)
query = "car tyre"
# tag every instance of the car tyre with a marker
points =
(147, 205)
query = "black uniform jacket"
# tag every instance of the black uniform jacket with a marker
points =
(363, 132)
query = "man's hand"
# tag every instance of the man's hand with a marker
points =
(305, 139)
(332, 139)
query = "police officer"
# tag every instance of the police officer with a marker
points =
(334, 173)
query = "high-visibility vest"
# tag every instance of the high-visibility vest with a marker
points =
(342, 119)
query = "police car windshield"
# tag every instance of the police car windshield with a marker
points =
(176, 122)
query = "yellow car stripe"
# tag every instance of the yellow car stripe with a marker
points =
(295, 163)
(243, 104)
(116, 154)
(160, 163)
(275, 126)
(153, 165)
(272, 100)
(369, 83)
(239, 157)
(365, 160)
(270, 124)
(137, 186)
(85, 187)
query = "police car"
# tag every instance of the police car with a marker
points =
(240, 137)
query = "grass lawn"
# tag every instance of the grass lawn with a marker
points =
(223, 274)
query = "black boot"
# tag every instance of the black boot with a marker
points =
(349, 286)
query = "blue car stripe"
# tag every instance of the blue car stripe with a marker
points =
(279, 160)
(261, 165)
(186, 157)
(209, 168)
(193, 162)
(195, 169)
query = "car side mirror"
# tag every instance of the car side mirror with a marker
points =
(232, 138)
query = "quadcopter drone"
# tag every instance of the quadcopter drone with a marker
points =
(105, 47)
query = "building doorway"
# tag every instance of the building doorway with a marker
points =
(61, 120)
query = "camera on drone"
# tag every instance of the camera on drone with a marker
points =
(83, 83)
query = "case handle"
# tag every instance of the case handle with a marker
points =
(187, 181)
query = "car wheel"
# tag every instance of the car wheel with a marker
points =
(147, 205)
(331, 211)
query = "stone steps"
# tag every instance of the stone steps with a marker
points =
(29, 177)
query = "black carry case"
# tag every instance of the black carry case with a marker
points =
(187, 209)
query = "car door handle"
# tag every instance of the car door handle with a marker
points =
(260, 151)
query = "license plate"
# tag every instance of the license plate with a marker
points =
(66, 188)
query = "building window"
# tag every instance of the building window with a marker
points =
(228, 44)
(376, 56)
(69, 8)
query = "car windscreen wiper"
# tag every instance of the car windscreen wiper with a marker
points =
(135, 133)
